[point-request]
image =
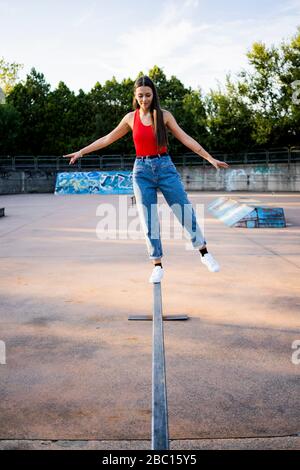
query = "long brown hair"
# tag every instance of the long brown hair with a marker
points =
(155, 111)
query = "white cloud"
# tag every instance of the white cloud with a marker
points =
(291, 5)
(89, 41)
(141, 47)
(85, 16)
(8, 10)
(200, 54)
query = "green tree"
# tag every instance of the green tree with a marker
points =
(261, 108)
(10, 123)
(62, 121)
(268, 88)
(30, 100)
(229, 120)
(8, 75)
(290, 91)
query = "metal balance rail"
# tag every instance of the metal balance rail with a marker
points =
(159, 423)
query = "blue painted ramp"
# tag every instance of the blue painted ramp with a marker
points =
(264, 217)
(94, 182)
(229, 210)
(236, 214)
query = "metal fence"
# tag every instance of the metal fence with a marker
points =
(125, 162)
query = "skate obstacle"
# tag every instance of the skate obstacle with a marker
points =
(235, 213)
(159, 423)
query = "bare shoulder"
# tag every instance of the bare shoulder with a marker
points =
(166, 115)
(168, 118)
(129, 117)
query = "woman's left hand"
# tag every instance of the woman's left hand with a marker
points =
(218, 163)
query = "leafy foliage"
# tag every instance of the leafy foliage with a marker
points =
(261, 108)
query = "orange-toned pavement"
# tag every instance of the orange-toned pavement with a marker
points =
(77, 369)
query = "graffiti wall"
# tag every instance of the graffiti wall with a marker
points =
(94, 182)
(272, 177)
(262, 177)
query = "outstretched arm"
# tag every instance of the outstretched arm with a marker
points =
(121, 129)
(191, 143)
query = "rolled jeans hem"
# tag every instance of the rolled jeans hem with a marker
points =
(199, 244)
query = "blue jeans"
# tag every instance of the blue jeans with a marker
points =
(160, 173)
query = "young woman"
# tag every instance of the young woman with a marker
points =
(153, 169)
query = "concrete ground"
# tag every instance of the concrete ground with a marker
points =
(78, 373)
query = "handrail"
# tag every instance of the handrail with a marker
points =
(125, 161)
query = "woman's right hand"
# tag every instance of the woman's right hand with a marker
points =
(73, 156)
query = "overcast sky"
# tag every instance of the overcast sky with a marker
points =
(82, 42)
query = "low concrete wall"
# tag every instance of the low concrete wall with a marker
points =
(263, 177)
(28, 181)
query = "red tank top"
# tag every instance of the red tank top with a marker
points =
(144, 138)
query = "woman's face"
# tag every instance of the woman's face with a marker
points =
(144, 96)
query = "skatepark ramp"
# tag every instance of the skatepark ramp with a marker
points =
(235, 213)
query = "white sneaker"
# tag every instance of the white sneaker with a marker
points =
(157, 274)
(210, 262)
